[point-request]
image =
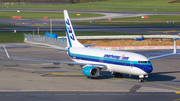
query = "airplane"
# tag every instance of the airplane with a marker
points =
(93, 60)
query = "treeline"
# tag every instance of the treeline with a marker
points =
(175, 1)
(49, 1)
(82, 1)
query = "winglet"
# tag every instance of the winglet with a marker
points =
(6, 52)
(175, 48)
(175, 52)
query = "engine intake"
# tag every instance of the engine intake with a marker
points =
(90, 71)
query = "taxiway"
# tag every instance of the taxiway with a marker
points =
(44, 81)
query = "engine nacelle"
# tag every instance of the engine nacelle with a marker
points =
(90, 71)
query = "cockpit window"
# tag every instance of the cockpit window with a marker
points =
(144, 62)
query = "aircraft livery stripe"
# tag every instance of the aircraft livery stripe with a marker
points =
(105, 59)
(67, 34)
(110, 61)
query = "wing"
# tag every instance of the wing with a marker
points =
(151, 58)
(63, 49)
(90, 45)
(57, 62)
(175, 52)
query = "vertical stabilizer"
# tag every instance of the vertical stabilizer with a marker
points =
(175, 48)
(71, 37)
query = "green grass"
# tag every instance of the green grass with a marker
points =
(19, 37)
(41, 15)
(126, 23)
(11, 26)
(151, 21)
(110, 5)
(150, 18)
(11, 37)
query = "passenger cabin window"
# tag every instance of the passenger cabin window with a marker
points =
(144, 62)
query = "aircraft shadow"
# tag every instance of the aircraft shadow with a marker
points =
(3, 56)
(51, 67)
(66, 74)
(162, 76)
(100, 77)
(159, 76)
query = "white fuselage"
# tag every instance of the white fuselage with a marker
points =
(116, 61)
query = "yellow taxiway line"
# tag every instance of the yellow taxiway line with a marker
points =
(64, 90)
(178, 92)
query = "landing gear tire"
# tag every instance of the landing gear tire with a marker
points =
(141, 80)
(90, 77)
(118, 74)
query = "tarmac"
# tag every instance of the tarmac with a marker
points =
(37, 81)
(37, 76)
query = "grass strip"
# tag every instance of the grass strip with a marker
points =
(41, 15)
(109, 5)
(126, 23)
(150, 18)
(12, 26)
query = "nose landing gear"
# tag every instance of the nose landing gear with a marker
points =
(141, 80)
(141, 77)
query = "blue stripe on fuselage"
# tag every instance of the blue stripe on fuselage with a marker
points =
(67, 34)
(146, 67)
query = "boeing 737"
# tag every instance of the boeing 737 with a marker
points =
(93, 60)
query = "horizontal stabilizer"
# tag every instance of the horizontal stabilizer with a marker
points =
(63, 49)
(90, 45)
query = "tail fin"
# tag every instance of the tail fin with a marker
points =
(175, 48)
(71, 37)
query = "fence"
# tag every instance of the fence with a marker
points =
(40, 39)
(137, 47)
(129, 37)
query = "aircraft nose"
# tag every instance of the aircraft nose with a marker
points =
(148, 69)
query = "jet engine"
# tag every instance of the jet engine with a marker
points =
(90, 71)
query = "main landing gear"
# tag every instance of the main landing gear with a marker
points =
(141, 77)
(90, 77)
(118, 75)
